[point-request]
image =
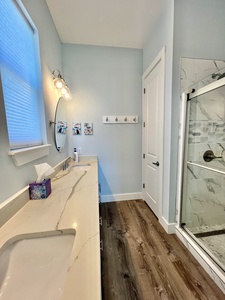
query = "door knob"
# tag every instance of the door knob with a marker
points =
(156, 163)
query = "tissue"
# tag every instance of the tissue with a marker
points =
(43, 170)
(41, 188)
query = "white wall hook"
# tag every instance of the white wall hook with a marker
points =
(120, 119)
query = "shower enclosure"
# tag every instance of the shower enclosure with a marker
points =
(202, 164)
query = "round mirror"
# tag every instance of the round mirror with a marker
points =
(60, 124)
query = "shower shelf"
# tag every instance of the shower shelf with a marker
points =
(206, 168)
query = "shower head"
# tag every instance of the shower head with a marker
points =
(214, 75)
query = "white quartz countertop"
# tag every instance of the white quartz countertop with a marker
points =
(73, 204)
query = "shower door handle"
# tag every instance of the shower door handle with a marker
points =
(156, 163)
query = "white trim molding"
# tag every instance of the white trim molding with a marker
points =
(26, 155)
(160, 60)
(121, 197)
(12, 205)
(169, 227)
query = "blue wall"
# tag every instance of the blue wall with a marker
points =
(107, 81)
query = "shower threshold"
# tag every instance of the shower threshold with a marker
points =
(196, 247)
(209, 233)
(212, 242)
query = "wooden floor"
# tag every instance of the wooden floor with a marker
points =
(140, 261)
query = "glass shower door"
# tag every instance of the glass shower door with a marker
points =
(203, 189)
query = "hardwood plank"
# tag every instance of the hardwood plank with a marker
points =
(140, 261)
(118, 268)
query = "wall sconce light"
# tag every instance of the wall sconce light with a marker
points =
(61, 85)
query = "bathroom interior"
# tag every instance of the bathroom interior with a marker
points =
(106, 80)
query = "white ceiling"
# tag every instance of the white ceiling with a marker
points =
(118, 23)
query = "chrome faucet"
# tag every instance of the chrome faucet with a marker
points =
(66, 164)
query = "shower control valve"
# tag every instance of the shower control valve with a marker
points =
(209, 155)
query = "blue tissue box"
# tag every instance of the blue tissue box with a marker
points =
(40, 190)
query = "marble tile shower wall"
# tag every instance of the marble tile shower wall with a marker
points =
(205, 190)
(196, 73)
(206, 128)
(206, 132)
(205, 199)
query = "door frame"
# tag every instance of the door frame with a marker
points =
(159, 58)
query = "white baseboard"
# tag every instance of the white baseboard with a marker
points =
(169, 227)
(120, 197)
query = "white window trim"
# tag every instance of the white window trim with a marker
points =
(26, 155)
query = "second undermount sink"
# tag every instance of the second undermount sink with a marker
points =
(81, 167)
(35, 267)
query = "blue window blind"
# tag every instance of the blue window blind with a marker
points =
(19, 74)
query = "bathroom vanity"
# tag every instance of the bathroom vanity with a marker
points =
(71, 209)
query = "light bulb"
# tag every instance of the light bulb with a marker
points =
(66, 93)
(63, 90)
(59, 83)
(67, 96)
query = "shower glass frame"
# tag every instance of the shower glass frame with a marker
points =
(183, 162)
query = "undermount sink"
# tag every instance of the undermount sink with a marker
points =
(35, 267)
(82, 167)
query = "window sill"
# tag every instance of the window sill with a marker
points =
(24, 156)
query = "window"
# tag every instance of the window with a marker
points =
(20, 75)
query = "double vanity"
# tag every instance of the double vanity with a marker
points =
(50, 249)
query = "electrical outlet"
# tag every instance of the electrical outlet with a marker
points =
(79, 150)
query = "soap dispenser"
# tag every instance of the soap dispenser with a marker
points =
(75, 153)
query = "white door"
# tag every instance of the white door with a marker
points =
(153, 121)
